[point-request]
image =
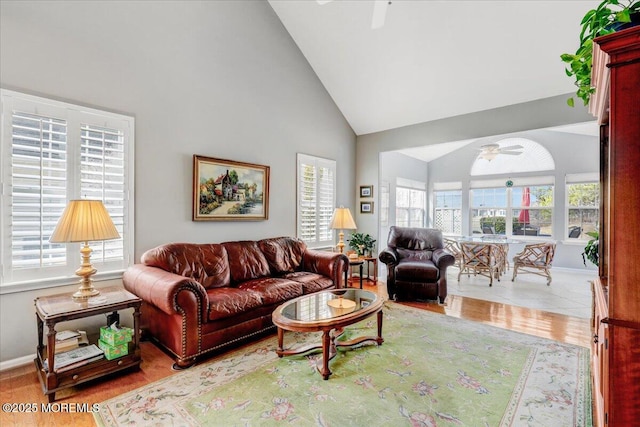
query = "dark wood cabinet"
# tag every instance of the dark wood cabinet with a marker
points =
(616, 315)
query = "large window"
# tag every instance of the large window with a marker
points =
(583, 202)
(448, 211)
(532, 210)
(488, 210)
(410, 207)
(316, 199)
(53, 152)
(525, 210)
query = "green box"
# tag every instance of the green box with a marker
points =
(113, 351)
(115, 337)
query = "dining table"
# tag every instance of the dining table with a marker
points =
(486, 255)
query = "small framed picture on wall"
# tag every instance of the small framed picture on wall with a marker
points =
(366, 207)
(366, 191)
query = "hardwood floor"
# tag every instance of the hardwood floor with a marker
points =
(21, 385)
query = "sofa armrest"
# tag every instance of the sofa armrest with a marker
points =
(161, 289)
(389, 256)
(442, 259)
(330, 264)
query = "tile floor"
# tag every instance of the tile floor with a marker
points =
(569, 292)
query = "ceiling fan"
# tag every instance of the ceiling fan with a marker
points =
(379, 12)
(491, 151)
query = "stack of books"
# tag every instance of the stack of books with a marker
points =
(74, 358)
(67, 340)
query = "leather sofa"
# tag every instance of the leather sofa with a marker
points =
(416, 264)
(198, 298)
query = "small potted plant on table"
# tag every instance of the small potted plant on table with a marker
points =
(362, 243)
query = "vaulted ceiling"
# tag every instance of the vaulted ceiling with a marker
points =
(433, 59)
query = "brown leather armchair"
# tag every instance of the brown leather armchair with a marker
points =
(416, 264)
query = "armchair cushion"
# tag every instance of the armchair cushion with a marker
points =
(423, 271)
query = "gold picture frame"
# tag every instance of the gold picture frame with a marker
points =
(227, 190)
(366, 191)
(366, 207)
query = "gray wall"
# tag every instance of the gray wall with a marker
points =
(219, 79)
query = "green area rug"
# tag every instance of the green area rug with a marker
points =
(431, 370)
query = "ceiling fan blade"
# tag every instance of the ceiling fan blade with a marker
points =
(323, 2)
(511, 153)
(379, 13)
(512, 147)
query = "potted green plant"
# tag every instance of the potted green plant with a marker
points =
(610, 16)
(362, 243)
(591, 249)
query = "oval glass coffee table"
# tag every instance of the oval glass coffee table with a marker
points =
(330, 312)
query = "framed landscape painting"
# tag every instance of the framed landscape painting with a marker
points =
(226, 190)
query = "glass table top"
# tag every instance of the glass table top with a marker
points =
(328, 305)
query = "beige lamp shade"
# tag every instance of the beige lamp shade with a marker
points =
(342, 219)
(84, 221)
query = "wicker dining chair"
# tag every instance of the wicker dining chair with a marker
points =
(535, 259)
(453, 248)
(481, 259)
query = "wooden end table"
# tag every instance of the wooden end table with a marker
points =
(51, 310)
(371, 260)
(353, 262)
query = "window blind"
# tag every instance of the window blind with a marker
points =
(316, 199)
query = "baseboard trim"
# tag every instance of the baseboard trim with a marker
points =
(17, 362)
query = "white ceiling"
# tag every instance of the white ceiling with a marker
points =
(434, 59)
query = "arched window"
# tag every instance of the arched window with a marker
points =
(532, 157)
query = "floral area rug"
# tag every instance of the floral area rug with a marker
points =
(432, 370)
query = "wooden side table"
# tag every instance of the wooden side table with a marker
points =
(60, 308)
(352, 263)
(371, 260)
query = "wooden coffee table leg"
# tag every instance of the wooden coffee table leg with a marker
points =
(326, 346)
(380, 340)
(280, 342)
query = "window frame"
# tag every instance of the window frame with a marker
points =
(410, 208)
(76, 117)
(535, 181)
(455, 187)
(316, 162)
(579, 179)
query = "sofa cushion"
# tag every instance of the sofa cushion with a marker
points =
(423, 271)
(227, 302)
(273, 290)
(246, 261)
(311, 282)
(284, 254)
(205, 263)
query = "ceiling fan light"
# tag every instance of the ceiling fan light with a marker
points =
(489, 155)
